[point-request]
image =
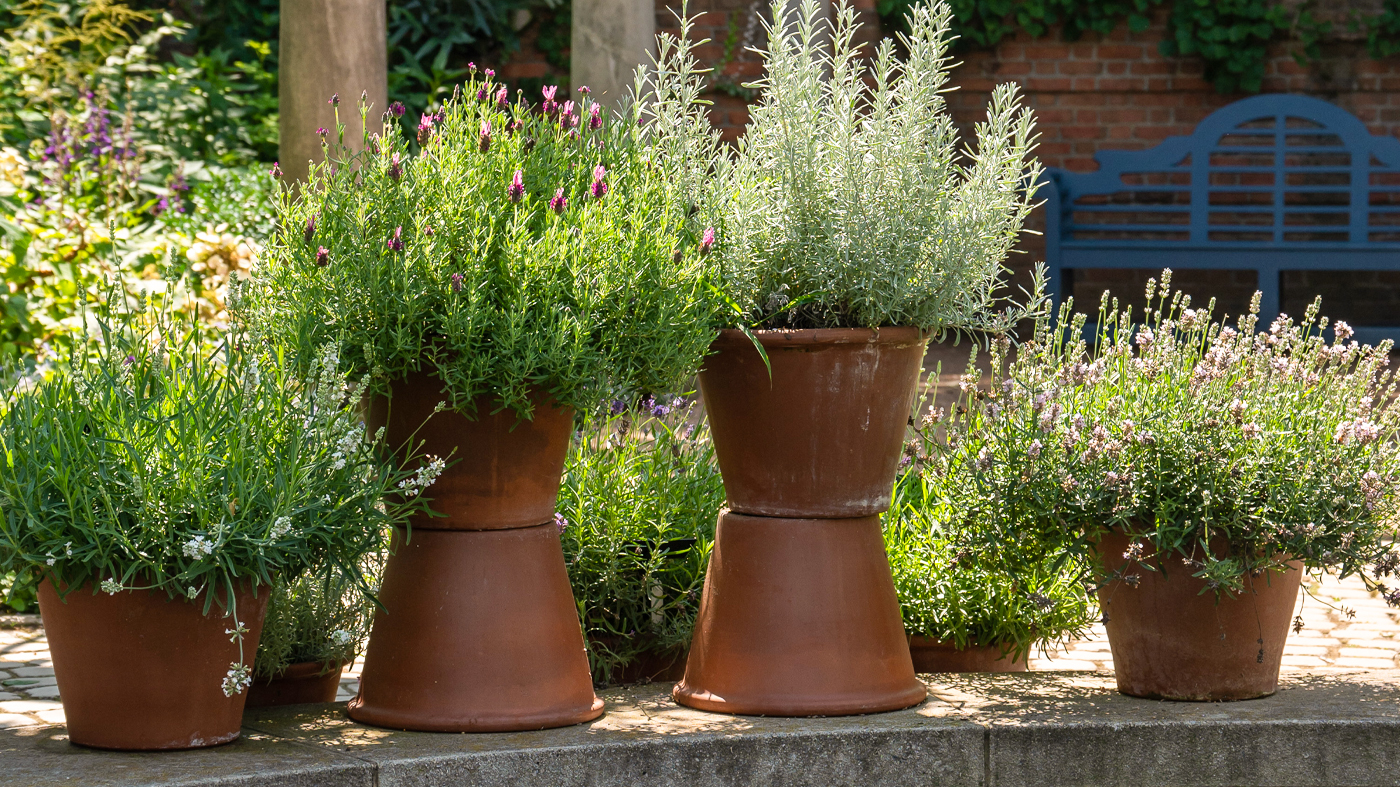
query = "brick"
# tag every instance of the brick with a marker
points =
(1046, 52)
(1079, 67)
(1119, 52)
(1120, 85)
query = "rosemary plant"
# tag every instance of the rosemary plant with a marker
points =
(523, 248)
(156, 463)
(1217, 448)
(848, 202)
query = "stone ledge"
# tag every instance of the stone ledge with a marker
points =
(1064, 728)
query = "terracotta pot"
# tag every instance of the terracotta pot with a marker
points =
(822, 437)
(506, 472)
(301, 683)
(478, 633)
(931, 655)
(799, 618)
(140, 671)
(1171, 641)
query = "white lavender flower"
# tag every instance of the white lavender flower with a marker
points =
(280, 527)
(341, 637)
(237, 680)
(111, 586)
(198, 547)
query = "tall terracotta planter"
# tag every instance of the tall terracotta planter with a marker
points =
(931, 655)
(140, 671)
(1172, 641)
(799, 615)
(478, 631)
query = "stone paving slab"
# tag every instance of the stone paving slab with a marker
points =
(1063, 728)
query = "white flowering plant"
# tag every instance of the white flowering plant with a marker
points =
(316, 616)
(523, 248)
(849, 202)
(156, 462)
(1220, 448)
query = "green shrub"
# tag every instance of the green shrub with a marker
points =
(637, 514)
(317, 616)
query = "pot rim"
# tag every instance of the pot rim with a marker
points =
(902, 336)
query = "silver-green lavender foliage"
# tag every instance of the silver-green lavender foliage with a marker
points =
(523, 248)
(161, 463)
(849, 202)
(1189, 434)
(317, 617)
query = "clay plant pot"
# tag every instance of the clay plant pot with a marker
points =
(1172, 641)
(301, 683)
(798, 618)
(822, 437)
(478, 632)
(932, 655)
(140, 671)
(505, 471)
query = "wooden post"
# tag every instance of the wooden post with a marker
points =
(610, 39)
(328, 47)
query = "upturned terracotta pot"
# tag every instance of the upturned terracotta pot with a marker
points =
(478, 633)
(302, 683)
(822, 437)
(140, 671)
(932, 655)
(506, 472)
(1172, 641)
(799, 618)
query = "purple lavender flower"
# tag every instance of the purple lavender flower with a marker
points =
(276, 171)
(130, 359)
(516, 189)
(559, 202)
(323, 256)
(484, 137)
(322, 132)
(161, 206)
(482, 93)
(659, 410)
(310, 231)
(457, 282)
(395, 243)
(560, 522)
(595, 118)
(707, 241)
(398, 109)
(334, 100)
(502, 97)
(617, 407)
(599, 187)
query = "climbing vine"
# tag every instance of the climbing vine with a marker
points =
(1232, 37)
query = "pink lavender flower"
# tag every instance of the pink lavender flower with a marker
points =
(323, 256)
(310, 231)
(502, 97)
(471, 67)
(276, 170)
(559, 202)
(516, 189)
(595, 118)
(550, 105)
(322, 132)
(457, 282)
(484, 137)
(707, 241)
(425, 129)
(334, 100)
(490, 73)
(395, 168)
(599, 187)
(567, 118)
(395, 242)
(584, 89)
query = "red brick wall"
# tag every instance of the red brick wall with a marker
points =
(1112, 91)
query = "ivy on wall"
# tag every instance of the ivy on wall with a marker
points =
(1232, 37)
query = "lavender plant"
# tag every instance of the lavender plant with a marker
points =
(524, 248)
(849, 204)
(1223, 449)
(156, 463)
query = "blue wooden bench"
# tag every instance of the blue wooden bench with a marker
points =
(1271, 183)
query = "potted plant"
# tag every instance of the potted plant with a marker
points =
(637, 512)
(526, 265)
(1203, 467)
(849, 230)
(159, 487)
(971, 601)
(315, 625)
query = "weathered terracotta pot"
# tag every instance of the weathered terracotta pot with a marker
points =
(931, 655)
(478, 633)
(1171, 641)
(139, 671)
(302, 683)
(799, 618)
(822, 437)
(506, 472)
